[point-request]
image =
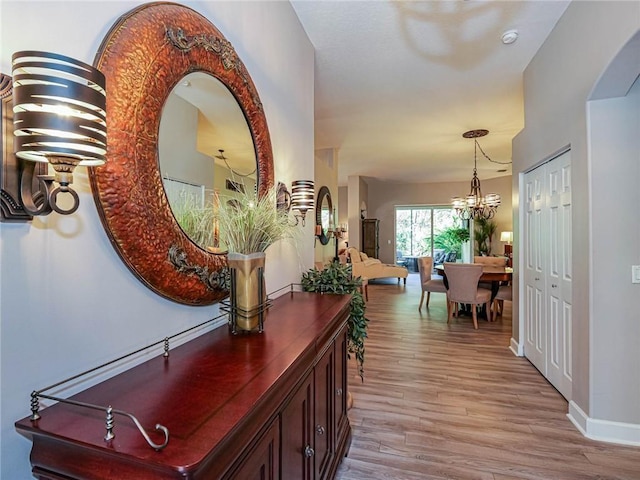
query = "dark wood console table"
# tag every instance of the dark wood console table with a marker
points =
(270, 405)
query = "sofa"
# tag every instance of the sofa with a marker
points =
(371, 268)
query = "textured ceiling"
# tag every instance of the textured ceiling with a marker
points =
(397, 83)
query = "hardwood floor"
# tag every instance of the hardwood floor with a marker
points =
(449, 402)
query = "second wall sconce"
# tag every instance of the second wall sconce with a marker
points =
(59, 116)
(302, 198)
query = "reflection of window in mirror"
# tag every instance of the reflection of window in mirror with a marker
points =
(325, 219)
(204, 145)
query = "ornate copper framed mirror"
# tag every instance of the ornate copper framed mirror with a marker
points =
(144, 55)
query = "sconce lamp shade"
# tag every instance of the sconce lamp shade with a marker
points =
(59, 117)
(506, 237)
(59, 111)
(302, 196)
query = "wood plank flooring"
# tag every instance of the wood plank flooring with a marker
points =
(449, 402)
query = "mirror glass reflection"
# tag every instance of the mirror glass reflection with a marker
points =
(205, 152)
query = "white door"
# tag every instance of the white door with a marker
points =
(547, 271)
(534, 275)
(559, 275)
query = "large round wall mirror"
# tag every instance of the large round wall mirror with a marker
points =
(324, 215)
(148, 53)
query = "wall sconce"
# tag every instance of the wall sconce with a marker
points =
(302, 198)
(59, 117)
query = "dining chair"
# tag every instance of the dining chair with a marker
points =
(462, 279)
(492, 262)
(505, 292)
(427, 282)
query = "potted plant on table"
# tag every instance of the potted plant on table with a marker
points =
(337, 278)
(248, 225)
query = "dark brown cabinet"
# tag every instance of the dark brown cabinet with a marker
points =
(265, 406)
(370, 237)
(316, 429)
(263, 459)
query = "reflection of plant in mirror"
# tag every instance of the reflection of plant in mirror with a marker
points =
(195, 220)
(249, 224)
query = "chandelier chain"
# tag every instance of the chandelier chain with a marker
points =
(234, 172)
(488, 157)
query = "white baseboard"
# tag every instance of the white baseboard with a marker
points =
(604, 430)
(516, 348)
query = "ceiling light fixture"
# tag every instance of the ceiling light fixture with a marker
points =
(475, 205)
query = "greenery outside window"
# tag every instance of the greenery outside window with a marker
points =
(432, 231)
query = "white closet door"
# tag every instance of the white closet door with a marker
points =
(534, 274)
(547, 271)
(559, 368)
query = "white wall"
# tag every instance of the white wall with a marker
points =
(615, 321)
(557, 85)
(68, 302)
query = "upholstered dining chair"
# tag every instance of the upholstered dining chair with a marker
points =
(490, 261)
(462, 279)
(428, 283)
(493, 261)
(505, 292)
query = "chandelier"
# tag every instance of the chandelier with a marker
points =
(475, 206)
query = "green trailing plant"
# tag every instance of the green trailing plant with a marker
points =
(483, 235)
(337, 278)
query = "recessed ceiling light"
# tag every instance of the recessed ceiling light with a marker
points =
(509, 37)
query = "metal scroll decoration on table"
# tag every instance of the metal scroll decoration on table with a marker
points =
(144, 55)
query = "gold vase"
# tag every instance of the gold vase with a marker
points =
(248, 295)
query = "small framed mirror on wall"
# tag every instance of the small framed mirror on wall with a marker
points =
(324, 215)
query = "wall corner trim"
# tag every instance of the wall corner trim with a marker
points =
(516, 348)
(604, 430)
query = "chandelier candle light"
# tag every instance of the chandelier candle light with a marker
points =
(475, 205)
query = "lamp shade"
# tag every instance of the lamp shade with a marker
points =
(506, 237)
(59, 106)
(302, 195)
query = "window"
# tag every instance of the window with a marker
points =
(419, 232)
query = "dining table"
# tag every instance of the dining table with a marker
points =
(490, 274)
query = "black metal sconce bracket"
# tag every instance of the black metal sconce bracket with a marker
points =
(11, 207)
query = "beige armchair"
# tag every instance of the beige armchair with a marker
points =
(365, 267)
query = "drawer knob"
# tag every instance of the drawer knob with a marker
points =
(339, 392)
(308, 451)
(320, 429)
